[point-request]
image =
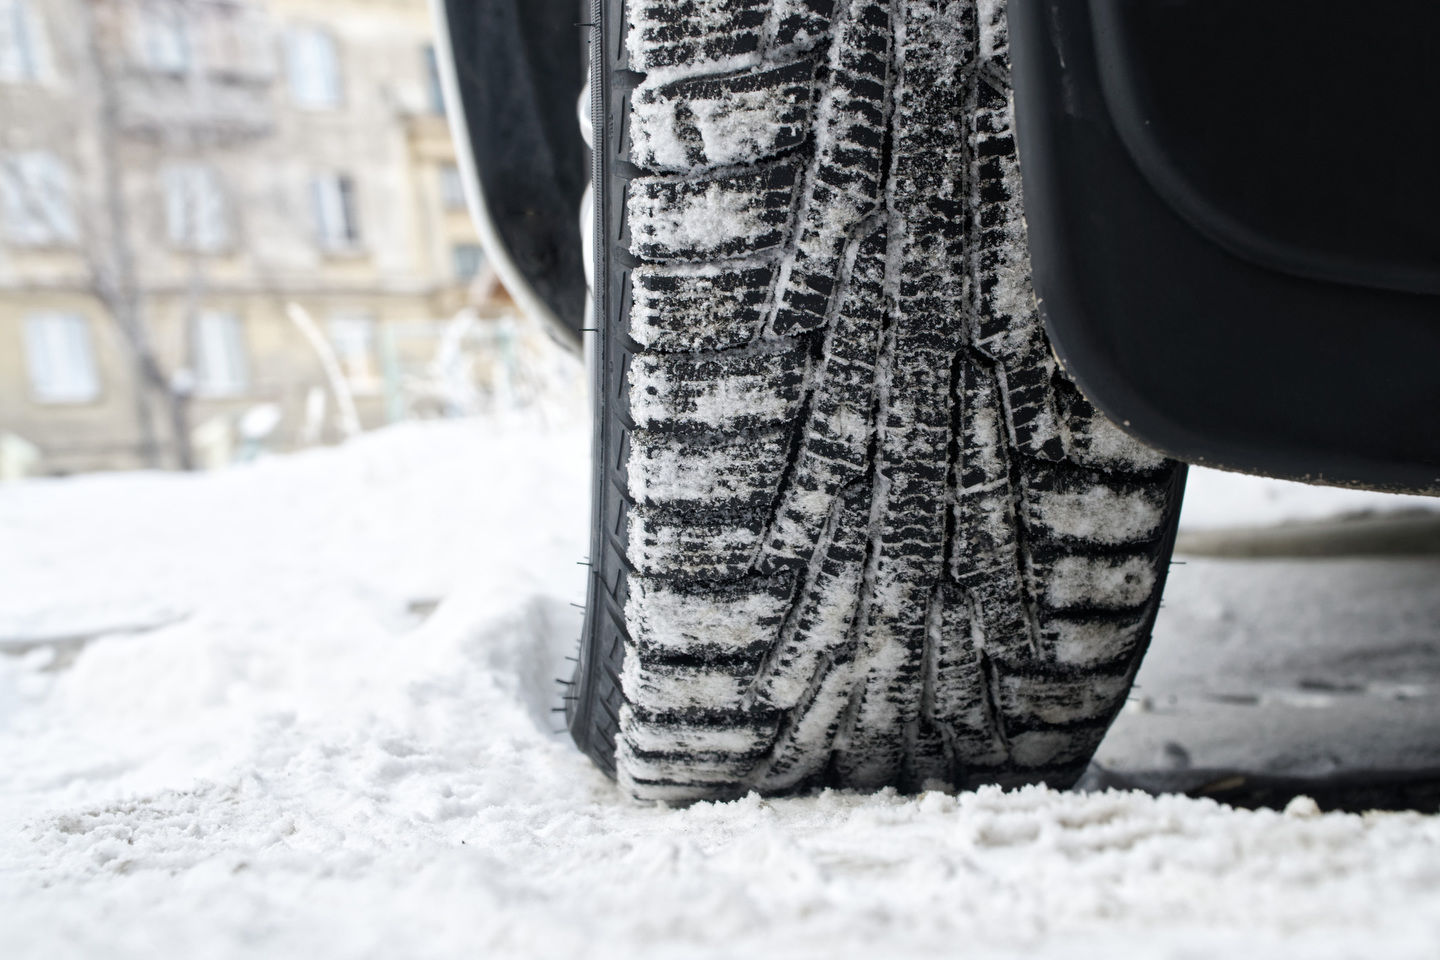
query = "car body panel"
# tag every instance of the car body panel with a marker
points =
(1213, 284)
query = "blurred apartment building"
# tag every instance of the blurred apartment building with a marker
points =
(176, 178)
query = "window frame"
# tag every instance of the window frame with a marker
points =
(237, 41)
(26, 42)
(42, 332)
(163, 38)
(224, 374)
(198, 188)
(37, 200)
(334, 202)
(452, 187)
(469, 248)
(313, 71)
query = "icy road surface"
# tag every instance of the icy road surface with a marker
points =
(303, 709)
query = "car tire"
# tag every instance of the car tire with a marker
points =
(853, 526)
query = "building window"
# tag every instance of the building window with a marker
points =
(332, 202)
(468, 258)
(196, 214)
(353, 337)
(432, 80)
(313, 64)
(236, 40)
(217, 348)
(36, 208)
(162, 37)
(452, 191)
(60, 359)
(22, 42)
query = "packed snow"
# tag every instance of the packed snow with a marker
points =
(303, 708)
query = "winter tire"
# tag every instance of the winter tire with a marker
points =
(853, 525)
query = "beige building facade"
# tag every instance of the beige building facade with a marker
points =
(207, 209)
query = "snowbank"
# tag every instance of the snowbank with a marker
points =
(316, 721)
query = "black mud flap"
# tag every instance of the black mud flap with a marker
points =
(1234, 219)
(513, 70)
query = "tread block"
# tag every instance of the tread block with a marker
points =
(1043, 749)
(669, 792)
(678, 688)
(695, 34)
(747, 740)
(711, 620)
(891, 654)
(993, 32)
(696, 768)
(845, 187)
(691, 549)
(692, 393)
(824, 613)
(1088, 507)
(1096, 442)
(677, 308)
(712, 35)
(697, 220)
(836, 436)
(985, 556)
(643, 778)
(1009, 327)
(802, 752)
(959, 702)
(1091, 642)
(801, 22)
(730, 473)
(1030, 699)
(910, 552)
(1111, 583)
(940, 61)
(684, 126)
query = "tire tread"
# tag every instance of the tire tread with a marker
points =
(855, 540)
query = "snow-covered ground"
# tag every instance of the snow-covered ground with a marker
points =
(302, 708)
(1215, 499)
